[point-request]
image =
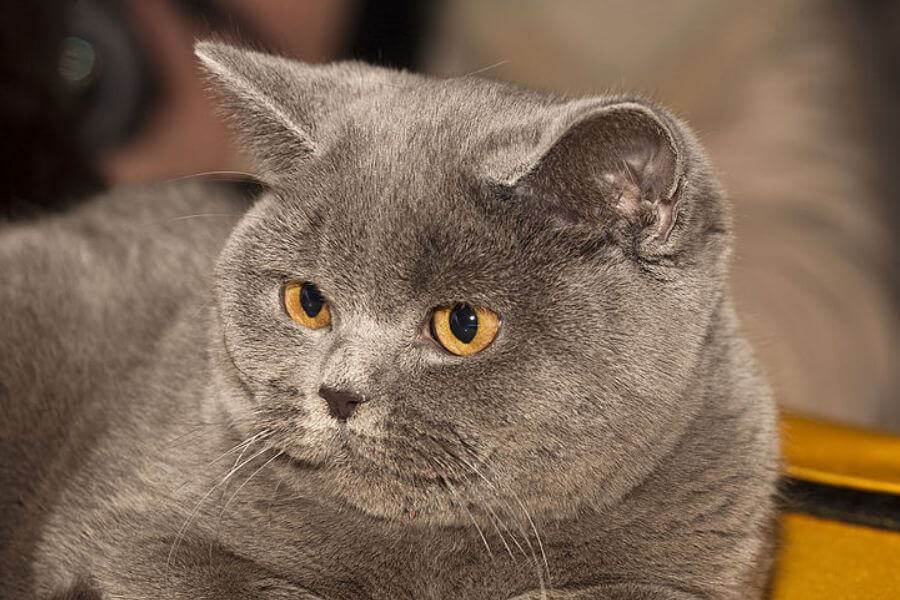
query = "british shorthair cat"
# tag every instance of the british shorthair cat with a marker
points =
(471, 341)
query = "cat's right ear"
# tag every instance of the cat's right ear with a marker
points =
(277, 106)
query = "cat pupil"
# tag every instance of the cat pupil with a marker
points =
(311, 299)
(463, 322)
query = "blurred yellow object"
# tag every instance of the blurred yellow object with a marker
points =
(841, 455)
(825, 559)
(840, 533)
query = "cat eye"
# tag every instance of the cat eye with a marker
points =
(305, 304)
(463, 329)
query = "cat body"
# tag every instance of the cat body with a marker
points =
(168, 434)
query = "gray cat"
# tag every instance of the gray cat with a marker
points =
(471, 342)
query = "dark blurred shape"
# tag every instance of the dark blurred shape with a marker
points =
(878, 37)
(393, 33)
(42, 164)
(106, 89)
(106, 74)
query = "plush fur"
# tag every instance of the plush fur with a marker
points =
(163, 433)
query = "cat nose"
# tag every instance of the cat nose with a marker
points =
(341, 403)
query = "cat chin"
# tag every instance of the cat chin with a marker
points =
(376, 493)
(379, 492)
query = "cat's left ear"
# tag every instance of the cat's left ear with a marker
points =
(252, 89)
(599, 163)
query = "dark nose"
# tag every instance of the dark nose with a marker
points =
(341, 403)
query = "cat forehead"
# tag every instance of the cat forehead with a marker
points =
(445, 123)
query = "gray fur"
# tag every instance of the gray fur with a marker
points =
(615, 441)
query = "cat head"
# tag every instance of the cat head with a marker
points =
(583, 240)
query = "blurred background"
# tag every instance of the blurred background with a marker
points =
(797, 101)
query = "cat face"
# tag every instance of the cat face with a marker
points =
(582, 240)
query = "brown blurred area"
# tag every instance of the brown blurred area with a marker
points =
(187, 136)
(98, 93)
(795, 100)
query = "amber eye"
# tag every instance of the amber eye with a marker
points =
(464, 329)
(305, 304)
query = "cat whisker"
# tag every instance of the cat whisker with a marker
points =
(220, 215)
(236, 461)
(236, 216)
(246, 481)
(237, 467)
(510, 533)
(512, 514)
(495, 520)
(210, 174)
(485, 69)
(181, 532)
(202, 216)
(462, 504)
(533, 529)
(236, 492)
(492, 491)
(242, 444)
(274, 495)
(436, 465)
(193, 429)
(492, 517)
(518, 523)
(536, 535)
(187, 435)
(497, 495)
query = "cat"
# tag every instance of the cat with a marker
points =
(470, 341)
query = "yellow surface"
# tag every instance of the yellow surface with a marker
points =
(825, 560)
(840, 455)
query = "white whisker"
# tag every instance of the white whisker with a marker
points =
(261, 435)
(536, 534)
(243, 174)
(471, 518)
(203, 215)
(180, 535)
(494, 519)
(246, 481)
(531, 522)
(485, 69)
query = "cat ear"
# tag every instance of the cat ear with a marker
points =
(276, 105)
(598, 163)
(255, 91)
